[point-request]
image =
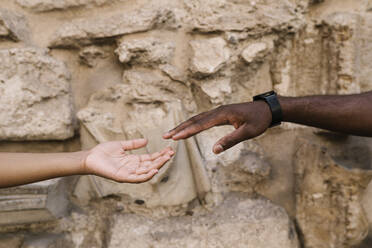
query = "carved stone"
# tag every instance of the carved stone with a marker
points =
(125, 112)
(329, 208)
(239, 222)
(36, 101)
(37, 202)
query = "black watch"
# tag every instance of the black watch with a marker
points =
(272, 100)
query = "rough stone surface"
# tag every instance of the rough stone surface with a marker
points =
(38, 202)
(254, 51)
(47, 5)
(208, 55)
(328, 199)
(104, 118)
(324, 58)
(216, 89)
(89, 55)
(145, 51)
(253, 17)
(239, 222)
(87, 31)
(13, 26)
(36, 103)
(10, 242)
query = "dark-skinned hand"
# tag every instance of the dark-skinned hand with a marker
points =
(249, 120)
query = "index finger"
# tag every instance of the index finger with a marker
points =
(183, 125)
(198, 124)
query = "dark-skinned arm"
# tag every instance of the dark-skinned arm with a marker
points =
(349, 114)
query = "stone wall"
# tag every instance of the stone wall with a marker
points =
(74, 73)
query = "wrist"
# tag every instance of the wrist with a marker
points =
(263, 110)
(82, 158)
(291, 106)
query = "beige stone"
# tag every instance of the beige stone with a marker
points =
(133, 110)
(174, 73)
(13, 26)
(216, 89)
(145, 51)
(11, 242)
(239, 222)
(47, 5)
(36, 101)
(254, 17)
(344, 29)
(89, 55)
(364, 55)
(150, 84)
(37, 202)
(323, 59)
(254, 51)
(86, 31)
(329, 208)
(208, 55)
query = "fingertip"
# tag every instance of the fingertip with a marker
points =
(168, 148)
(167, 135)
(141, 141)
(177, 136)
(217, 148)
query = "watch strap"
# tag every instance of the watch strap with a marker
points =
(271, 99)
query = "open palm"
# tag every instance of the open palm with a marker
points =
(111, 160)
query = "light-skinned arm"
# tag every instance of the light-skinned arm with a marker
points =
(349, 114)
(110, 160)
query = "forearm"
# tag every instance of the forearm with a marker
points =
(23, 168)
(351, 114)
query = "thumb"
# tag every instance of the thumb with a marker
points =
(231, 139)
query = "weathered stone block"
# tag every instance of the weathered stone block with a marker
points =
(344, 32)
(11, 241)
(89, 55)
(47, 5)
(13, 26)
(322, 59)
(254, 17)
(238, 222)
(208, 55)
(328, 199)
(365, 52)
(216, 89)
(35, 101)
(43, 201)
(146, 51)
(254, 51)
(87, 31)
(135, 109)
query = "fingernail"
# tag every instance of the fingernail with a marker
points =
(177, 136)
(217, 149)
(167, 134)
